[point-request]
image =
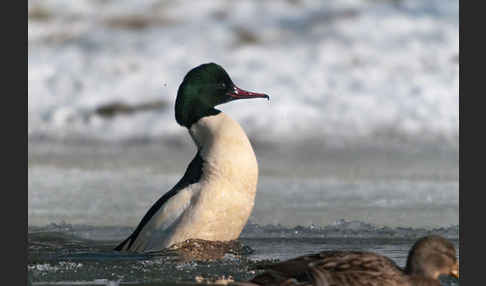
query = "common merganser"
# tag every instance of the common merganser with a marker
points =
(429, 257)
(215, 197)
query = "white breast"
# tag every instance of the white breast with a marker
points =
(225, 199)
(226, 150)
(218, 206)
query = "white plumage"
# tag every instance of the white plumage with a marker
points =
(216, 207)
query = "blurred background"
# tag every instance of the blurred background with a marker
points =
(362, 125)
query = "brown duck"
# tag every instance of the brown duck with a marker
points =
(430, 257)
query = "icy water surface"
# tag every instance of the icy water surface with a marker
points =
(61, 254)
(86, 198)
(113, 185)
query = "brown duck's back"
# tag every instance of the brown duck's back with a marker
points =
(337, 261)
(319, 277)
(336, 268)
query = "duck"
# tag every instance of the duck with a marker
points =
(429, 257)
(215, 197)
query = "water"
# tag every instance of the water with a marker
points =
(85, 198)
(105, 185)
(61, 253)
(357, 149)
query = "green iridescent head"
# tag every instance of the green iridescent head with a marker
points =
(203, 88)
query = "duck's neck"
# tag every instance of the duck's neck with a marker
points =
(188, 114)
(218, 130)
(225, 148)
(418, 269)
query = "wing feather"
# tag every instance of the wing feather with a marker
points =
(168, 216)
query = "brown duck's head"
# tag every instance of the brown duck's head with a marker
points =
(432, 256)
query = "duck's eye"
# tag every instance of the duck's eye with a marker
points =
(222, 86)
